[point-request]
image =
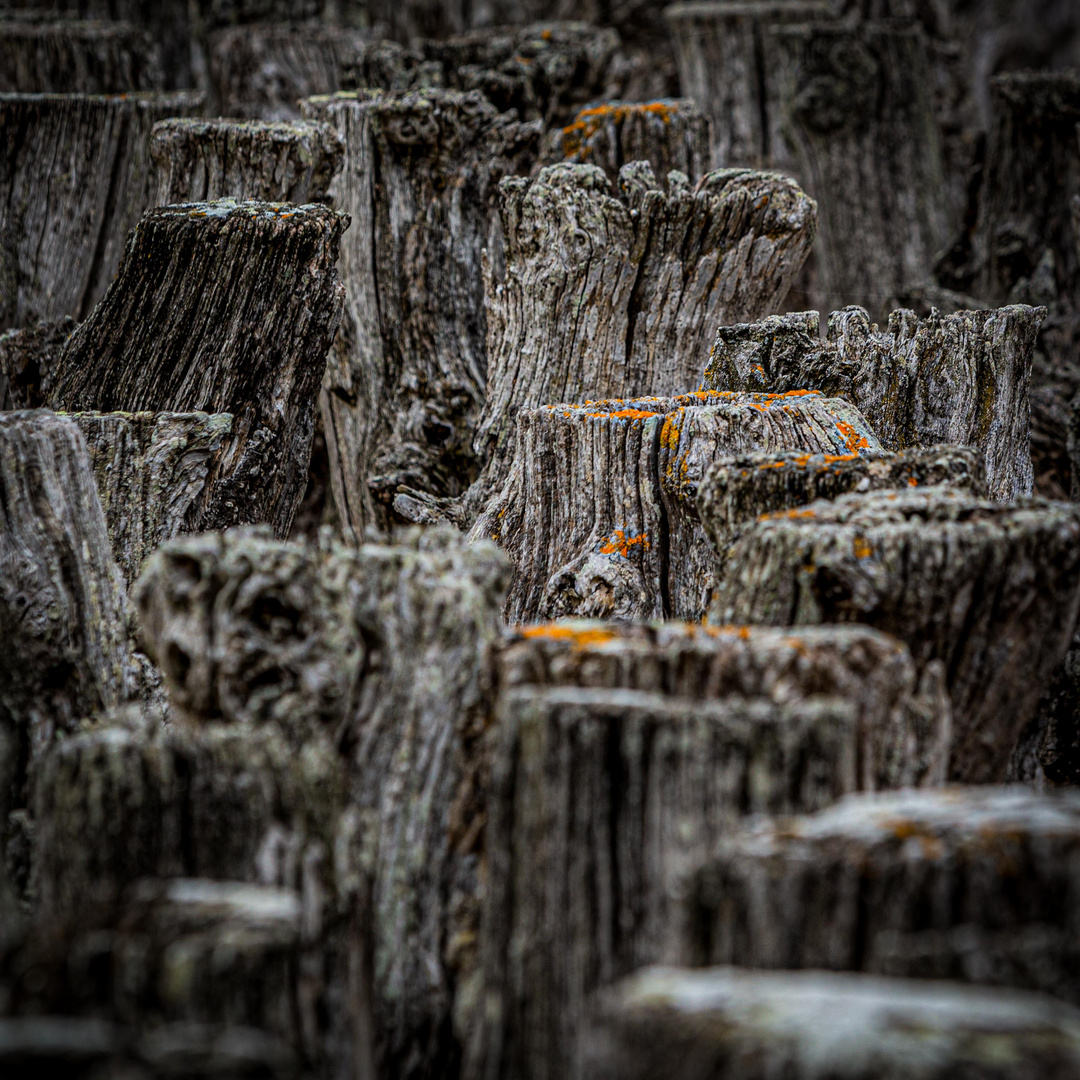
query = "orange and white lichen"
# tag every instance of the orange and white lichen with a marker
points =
(620, 544)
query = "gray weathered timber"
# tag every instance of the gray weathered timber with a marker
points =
(592, 510)
(668, 134)
(719, 49)
(973, 884)
(261, 71)
(600, 802)
(135, 798)
(387, 649)
(220, 307)
(990, 590)
(714, 425)
(430, 615)
(903, 722)
(151, 471)
(959, 379)
(734, 492)
(74, 178)
(251, 631)
(1025, 246)
(546, 71)
(69, 56)
(728, 1024)
(405, 382)
(63, 608)
(203, 160)
(28, 359)
(616, 291)
(856, 103)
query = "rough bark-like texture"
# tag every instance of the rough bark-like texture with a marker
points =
(63, 609)
(727, 1024)
(601, 800)
(857, 105)
(74, 57)
(720, 51)
(976, 884)
(387, 648)
(220, 307)
(903, 727)
(547, 71)
(734, 492)
(135, 798)
(959, 379)
(251, 631)
(992, 591)
(617, 293)
(151, 471)
(670, 134)
(716, 425)
(263, 71)
(597, 513)
(28, 358)
(405, 382)
(1025, 246)
(201, 160)
(74, 178)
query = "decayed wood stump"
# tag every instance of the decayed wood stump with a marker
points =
(669, 134)
(1025, 245)
(748, 1025)
(134, 798)
(974, 884)
(387, 648)
(220, 307)
(406, 378)
(61, 241)
(597, 512)
(856, 101)
(720, 52)
(75, 57)
(616, 293)
(546, 71)
(903, 722)
(63, 609)
(959, 379)
(151, 471)
(201, 160)
(261, 71)
(600, 801)
(28, 359)
(990, 590)
(734, 492)
(251, 631)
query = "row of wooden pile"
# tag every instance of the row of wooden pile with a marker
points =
(311, 808)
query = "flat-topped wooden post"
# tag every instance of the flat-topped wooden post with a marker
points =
(405, 383)
(596, 512)
(668, 134)
(991, 590)
(220, 307)
(959, 379)
(74, 179)
(203, 160)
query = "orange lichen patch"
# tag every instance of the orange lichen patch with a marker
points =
(742, 632)
(912, 482)
(589, 121)
(620, 544)
(852, 439)
(832, 459)
(772, 465)
(669, 432)
(623, 414)
(797, 644)
(760, 367)
(580, 638)
(792, 515)
(861, 547)
(545, 34)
